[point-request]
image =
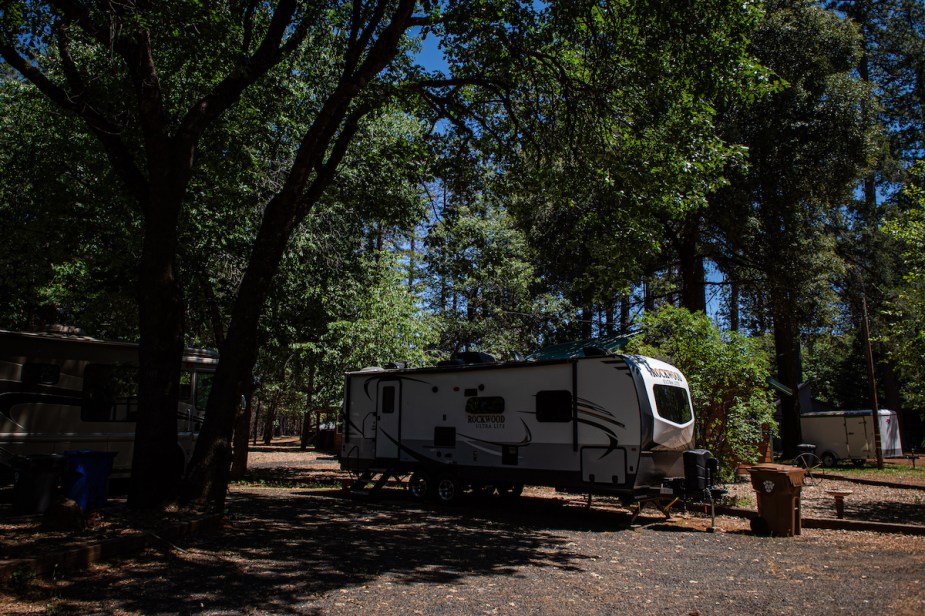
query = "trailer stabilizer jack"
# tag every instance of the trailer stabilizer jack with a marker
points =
(378, 479)
(663, 504)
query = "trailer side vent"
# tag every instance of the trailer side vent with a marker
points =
(445, 436)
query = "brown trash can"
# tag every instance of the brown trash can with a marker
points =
(778, 488)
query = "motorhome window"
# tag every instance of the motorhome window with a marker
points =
(186, 386)
(40, 374)
(203, 387)
(388, 399)
(554, 405)
(673, 403)
(110, 393)
(488, 405)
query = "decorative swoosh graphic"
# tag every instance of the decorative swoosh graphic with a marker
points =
(417, 456)
(605, 417)
(401, 379)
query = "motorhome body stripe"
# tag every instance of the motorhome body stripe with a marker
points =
(10, 399)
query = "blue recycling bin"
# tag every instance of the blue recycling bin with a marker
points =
(35, 482)
(87, 479)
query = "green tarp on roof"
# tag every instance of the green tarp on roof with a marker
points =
(576, 348)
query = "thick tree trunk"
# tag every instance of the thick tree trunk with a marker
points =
(691, 269)
(789, 372)
(693, 284)
(207, 480)
(157, 461)
(319, 154)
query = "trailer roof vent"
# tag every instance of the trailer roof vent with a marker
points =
(396, 365)
(474, 357)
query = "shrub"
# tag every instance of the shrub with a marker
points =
(726, 372)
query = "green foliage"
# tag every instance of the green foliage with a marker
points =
(907, 309)
(482, 287)
(592, 184)
(377, 321)
(70, 247)
(808, 145)
(726, 373)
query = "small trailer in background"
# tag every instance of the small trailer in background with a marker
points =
(849, 435)
(602, 424)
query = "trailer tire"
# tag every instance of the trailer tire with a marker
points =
(829, 459)
(421, 486)
(449, 490)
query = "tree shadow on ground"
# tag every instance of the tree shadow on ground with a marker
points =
(903, 513)
(279, 552)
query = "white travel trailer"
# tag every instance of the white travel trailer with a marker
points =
(849, 435)
(605, 424)
(60, 392)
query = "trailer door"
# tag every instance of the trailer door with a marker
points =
(857, 439)
(388, 419)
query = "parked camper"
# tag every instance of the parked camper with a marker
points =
(606, 424)
(849, 435)
(60, 391)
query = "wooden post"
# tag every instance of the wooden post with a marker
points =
(872, 384)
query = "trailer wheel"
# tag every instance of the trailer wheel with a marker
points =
(829, 459)
(420, 486)
(449, 489)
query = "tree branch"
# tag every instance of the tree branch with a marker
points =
(229, 90)
(354, 54)
(108, 133)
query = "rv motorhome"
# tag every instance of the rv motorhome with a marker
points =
(603, 424)
(63, 392)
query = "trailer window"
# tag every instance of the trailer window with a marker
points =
(673, 404)
(186, 386)
(203, 388)
(487, 405)
(40, 374)
(554, 405)
(110, 393)
(388, 399)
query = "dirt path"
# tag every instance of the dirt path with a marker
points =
(304, 550)
(315, 552)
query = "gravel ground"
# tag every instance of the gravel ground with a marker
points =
(305, 550)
